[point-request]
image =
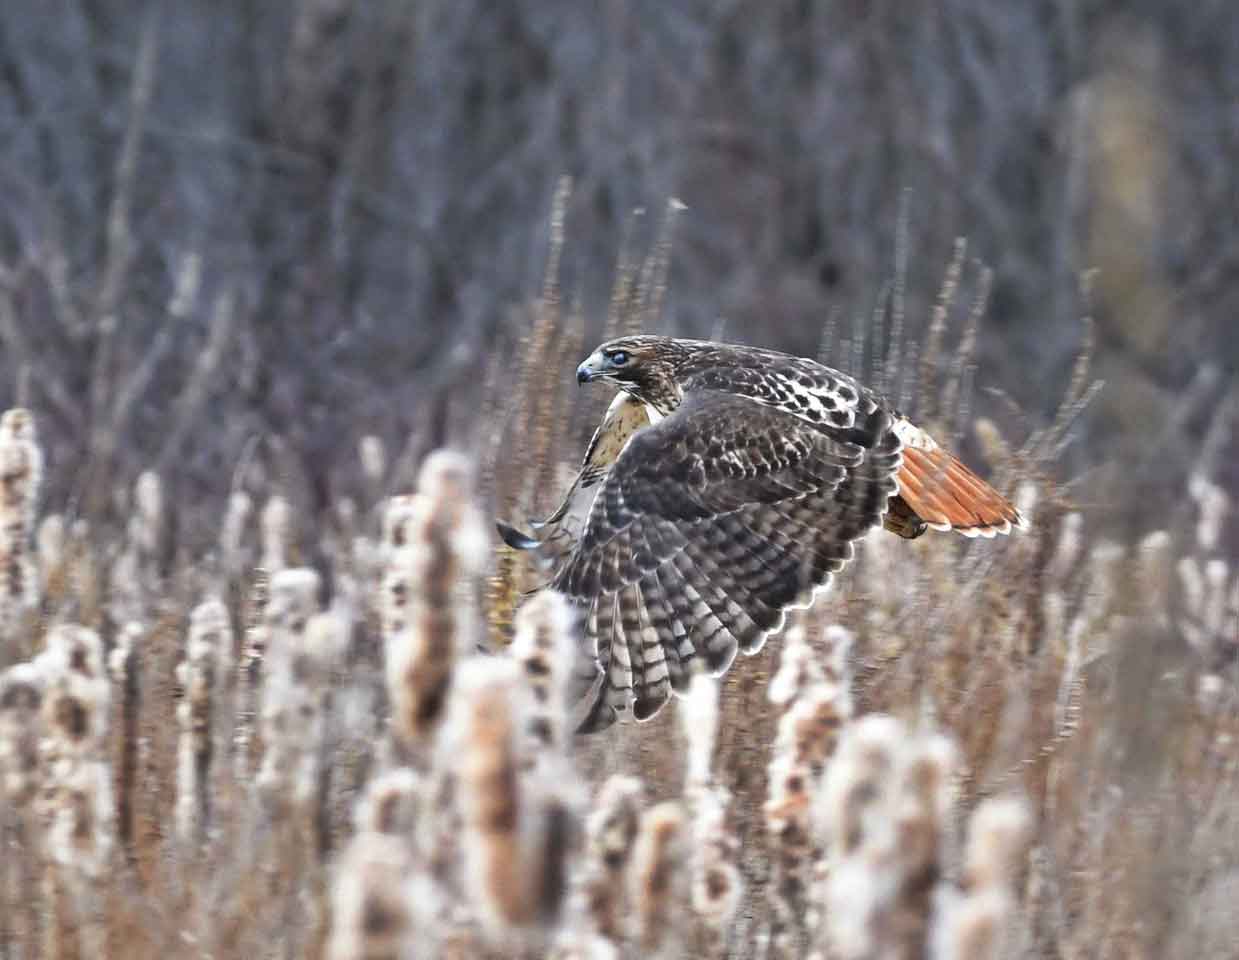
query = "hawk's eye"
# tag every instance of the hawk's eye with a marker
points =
(619, 357)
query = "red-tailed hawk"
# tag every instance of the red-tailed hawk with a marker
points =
(728, 483)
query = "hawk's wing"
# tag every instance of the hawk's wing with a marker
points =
(707, 527)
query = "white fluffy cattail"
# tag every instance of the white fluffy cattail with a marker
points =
(148, 501)
(77, 795)
(512, 832)
(715, 882)
(373, 457)
(610, 831)
(276, 526)
(372, 902)
(436, 545)
(232, 532)
(854, 812)
(656, 875)
(390, 804)
(1214, 505)
(542, 644)
(21, 473)
(203, 675)
(298, 656)
(21, 700)
(976, 925)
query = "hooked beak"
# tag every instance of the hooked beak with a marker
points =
(586, 372)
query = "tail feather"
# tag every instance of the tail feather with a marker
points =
(946, 495)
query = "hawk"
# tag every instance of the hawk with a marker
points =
(724, 484)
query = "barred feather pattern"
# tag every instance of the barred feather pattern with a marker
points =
(728, 484)
(714, 521)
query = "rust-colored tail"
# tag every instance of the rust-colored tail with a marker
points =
(948, 496)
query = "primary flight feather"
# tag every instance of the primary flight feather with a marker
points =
(727, 482)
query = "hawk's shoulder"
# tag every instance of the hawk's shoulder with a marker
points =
(805, 389)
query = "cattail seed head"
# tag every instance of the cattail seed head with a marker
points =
(21, 701)
(857, 780)
(373, 456)
(655, 874)
(232, 531)
(21, 473)
(298, 656)
(76, 801)
(436, 544)
(202, 675)
(699, 716)
(998, 837)
(486, 719)
(276, 525)
(542, 644)
(390, 804)
(149, 512)
(372, 915)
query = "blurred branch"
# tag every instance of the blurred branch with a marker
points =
(22, 356)
(190, 402)
(119, 238)
(184, 296)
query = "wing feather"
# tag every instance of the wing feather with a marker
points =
(707, 527)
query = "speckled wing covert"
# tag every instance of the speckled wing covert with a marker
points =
(714, 520)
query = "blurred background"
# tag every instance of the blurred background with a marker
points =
(288, 224)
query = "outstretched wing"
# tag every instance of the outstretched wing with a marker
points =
(708, 526)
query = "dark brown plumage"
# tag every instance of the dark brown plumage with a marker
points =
(730, 483)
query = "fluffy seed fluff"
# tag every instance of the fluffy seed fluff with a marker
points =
(656, 874)
(294, 691)
(542, 644)
(21, 473)
(435, 544)
(513, 834)
(202, 676)
(610, 830)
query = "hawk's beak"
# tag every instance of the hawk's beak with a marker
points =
(585, 373)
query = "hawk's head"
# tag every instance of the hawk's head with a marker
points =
(643, 366)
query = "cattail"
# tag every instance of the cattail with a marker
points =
(202, 677)
(583, 945)
(715, 883)
(610, 831)
(21, 472)
(124, 666)
(373, 456)
(298, 657)
(437, 543)
(276, 526)
(512, 837)
(699, 718)
(1026, 496)
(921, 806)
(977, 924)
(1066, 550)
(149, 513)
(232, 532)
(51, 548)
(249, 674)
(390, 804)
(77, 796)
(21, 700)
(75, 803)
(656, 875)
(543, 646)
(812, 686)
(372, 901)
(1214, 505)
(716, 886)
(853, 813)
(1153, 565)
